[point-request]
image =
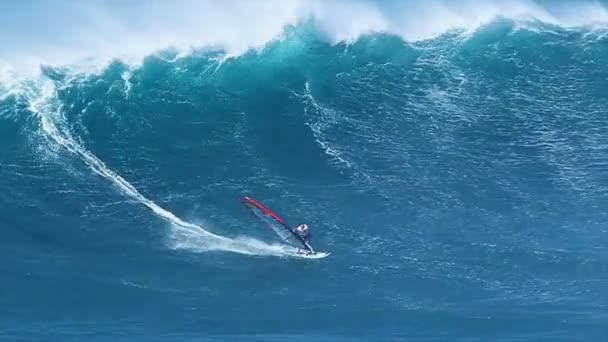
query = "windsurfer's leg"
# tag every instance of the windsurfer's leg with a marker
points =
(310, 250)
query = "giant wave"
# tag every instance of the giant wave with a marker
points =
(456, 169)
(441, 79)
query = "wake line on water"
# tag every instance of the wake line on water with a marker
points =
(318, 126)
(186, 235)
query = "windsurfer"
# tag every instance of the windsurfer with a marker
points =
(304, 232)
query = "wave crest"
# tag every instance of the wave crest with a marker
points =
(130, 31)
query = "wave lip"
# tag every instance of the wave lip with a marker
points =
(104, 31)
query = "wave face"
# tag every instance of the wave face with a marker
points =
(460, 183)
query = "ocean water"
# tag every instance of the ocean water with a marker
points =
(459, 181)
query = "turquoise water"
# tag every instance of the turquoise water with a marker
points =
(460, 183)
